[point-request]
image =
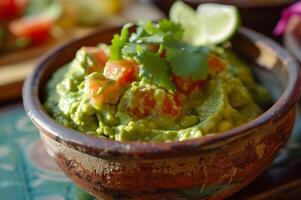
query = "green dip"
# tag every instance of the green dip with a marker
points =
(141, 108)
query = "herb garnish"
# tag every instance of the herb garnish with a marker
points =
(180, 58)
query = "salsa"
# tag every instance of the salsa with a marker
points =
(150, 85)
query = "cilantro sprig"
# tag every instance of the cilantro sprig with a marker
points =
(155, 69)
(186, 60)
(119, 41)
(180, 58)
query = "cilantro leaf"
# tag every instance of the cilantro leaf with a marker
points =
(119, 41)
(186, 60)
(167, 26)
(154, 39)
(148, 32)
(164, 27)
(139, 33)
(130, 50)
(155, 69)
(150, 28)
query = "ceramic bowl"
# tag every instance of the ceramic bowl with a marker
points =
(211, 167)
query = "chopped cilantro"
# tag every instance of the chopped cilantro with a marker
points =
(118, 42)
(139, 33)
(150, 28)
(167, 26)
(130, 50)
(149, 32)
(181, 58)
(186, 60)
(155, 69)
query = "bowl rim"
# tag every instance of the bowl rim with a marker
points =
(107, 148)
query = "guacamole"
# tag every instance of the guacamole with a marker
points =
(151, 86)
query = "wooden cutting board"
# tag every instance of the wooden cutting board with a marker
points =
(15, 67)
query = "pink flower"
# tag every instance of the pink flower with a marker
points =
(295, 9)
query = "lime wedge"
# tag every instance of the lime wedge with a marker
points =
(184, 15)
(211, 24)
(219, 21)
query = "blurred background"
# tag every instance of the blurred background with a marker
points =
(31, 28)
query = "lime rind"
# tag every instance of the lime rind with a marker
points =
(220, 22)
(211, 24)
(184, 15)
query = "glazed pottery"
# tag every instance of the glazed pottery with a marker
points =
(212, 167)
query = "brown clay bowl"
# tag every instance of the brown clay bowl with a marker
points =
(212, 167)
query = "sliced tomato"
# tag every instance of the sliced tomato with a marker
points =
(10, 9)
(110, 94)
(37, 28)
(122, 71)
(99, 56)
(187, 86)
(215, 63)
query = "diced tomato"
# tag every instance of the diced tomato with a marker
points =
(215, 63)
(118, 75)
(187, 86)
(123, 71)
(37, 28)
(10, 9)
(110, 94)
(172, 106)
(146, 105)
(99, 56)
(102, 58)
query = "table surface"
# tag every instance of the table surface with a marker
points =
(27, 172)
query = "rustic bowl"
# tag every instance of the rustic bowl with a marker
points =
(212, 167)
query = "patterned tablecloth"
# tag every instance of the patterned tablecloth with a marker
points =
(27, 172)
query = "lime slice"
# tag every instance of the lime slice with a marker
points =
(219, 21)
(184, 15)
(211, 24)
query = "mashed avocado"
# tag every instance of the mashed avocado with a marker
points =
(127, 98)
